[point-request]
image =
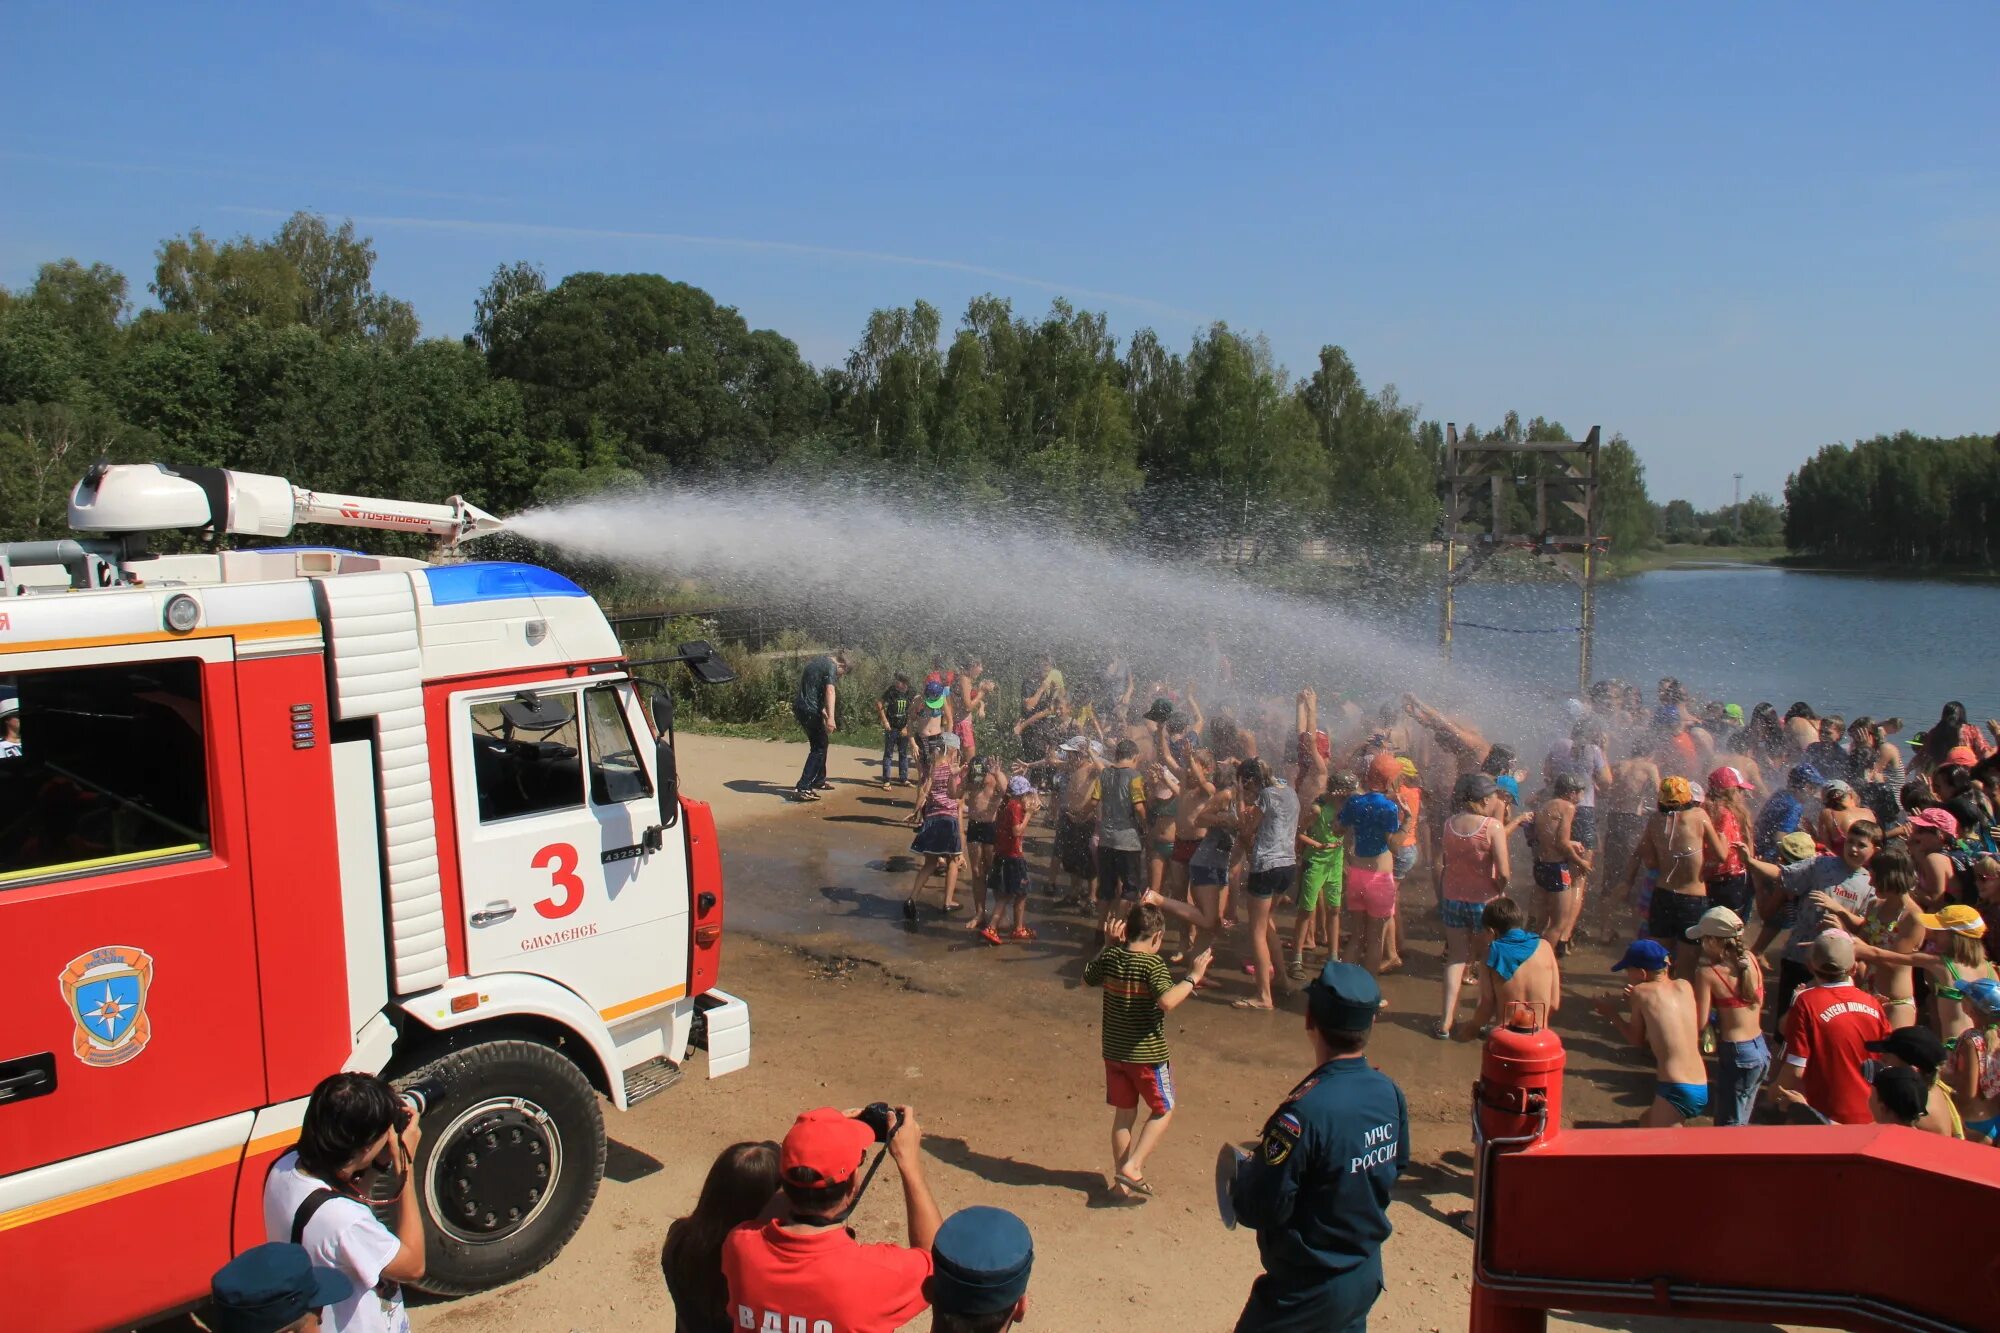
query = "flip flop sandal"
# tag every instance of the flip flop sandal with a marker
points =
(1252, 1005)
(910, 910)
(1022, 934)
(1141, 1187)
(990, 936)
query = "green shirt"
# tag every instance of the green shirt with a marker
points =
(811, 698)
(1326, 828)
(1135, 1027)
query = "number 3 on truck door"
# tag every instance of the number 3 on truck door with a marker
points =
(559, 859)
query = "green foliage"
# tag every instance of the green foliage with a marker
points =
(307, 274)
(1903, 499)
(518, 281)
(682, 379)
(1621, 495)
(278, 355)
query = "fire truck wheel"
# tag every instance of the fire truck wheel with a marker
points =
(511, 1157)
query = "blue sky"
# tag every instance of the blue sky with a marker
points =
(1734, 233)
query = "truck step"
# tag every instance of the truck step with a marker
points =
(650, 1079)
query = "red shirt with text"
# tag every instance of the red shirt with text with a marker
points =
(1827, 1031)
(825, 1282)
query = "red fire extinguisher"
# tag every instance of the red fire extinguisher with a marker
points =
(1519, 1092)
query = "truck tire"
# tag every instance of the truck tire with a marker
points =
(512, 1153)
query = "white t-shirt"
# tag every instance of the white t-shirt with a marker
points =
(343, 1235)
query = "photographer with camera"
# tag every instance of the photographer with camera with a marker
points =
(805, 1268)
(357, 1142)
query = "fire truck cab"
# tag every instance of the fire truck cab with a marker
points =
(267, 814)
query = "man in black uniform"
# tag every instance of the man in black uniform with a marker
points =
(1316, 1186)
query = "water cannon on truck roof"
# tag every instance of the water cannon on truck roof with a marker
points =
(116, 507)
(280, 811)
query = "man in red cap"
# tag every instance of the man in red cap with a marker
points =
(806, 1270)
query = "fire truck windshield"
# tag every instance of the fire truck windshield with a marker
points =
(111, 768)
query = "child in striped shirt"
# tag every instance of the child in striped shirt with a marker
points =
(1138, 994)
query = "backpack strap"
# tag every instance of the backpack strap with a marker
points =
(312, 1203)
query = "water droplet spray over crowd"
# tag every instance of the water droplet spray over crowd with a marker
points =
(1012, 586)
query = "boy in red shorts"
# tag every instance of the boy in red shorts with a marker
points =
(1138, 993)
(1010, 863)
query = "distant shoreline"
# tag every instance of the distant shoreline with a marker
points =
(1777, 557)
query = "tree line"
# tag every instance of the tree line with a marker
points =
(278, 355)
(1903, 499)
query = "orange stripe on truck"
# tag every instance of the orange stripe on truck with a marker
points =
(143, 1180)
(274, 629)
(658, 997)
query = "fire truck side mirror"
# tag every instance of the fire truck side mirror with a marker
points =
(667, 781)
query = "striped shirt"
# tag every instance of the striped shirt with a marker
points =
(1135, 1027)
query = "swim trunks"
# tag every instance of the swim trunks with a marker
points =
(1671, 915)
(1461, 915)
(1583, 827)
(1990, 1129)
(1127, 1084)
(1009, 876)
(1185, 848)
(1268, 883)
(1323, 879)
(1073, 847)
(1733, 892)
(1372, 892)
(1552, 876)
(1690, 1099)
(1117, 874)
(979, 831)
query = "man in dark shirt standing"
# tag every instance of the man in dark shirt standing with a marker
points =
(814, 707)
(893, 708)
(1316, 1186)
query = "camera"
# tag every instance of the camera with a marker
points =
(883, 1118)
(413, 1100)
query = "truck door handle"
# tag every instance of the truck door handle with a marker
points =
(494, 914)
(29, 1076)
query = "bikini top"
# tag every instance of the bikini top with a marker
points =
(1726, 996)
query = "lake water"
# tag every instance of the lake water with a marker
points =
(1845, 643)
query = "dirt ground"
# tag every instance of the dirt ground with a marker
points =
(997, 1050)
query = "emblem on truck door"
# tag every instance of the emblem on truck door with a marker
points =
(106, 993)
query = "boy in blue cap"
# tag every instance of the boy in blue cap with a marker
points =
(1658, 1014)
(272, 1288)
(979, 1272)
(1316, 1185)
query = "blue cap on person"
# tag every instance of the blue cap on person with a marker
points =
(270, 1286)
(979, 1262)
(1344, 998)
(1509, 786)
(1019, 786)
(1647, 955)
(1805, 775)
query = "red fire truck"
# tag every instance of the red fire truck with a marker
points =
(270, 813)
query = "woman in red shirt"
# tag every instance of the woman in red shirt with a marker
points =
(1728, 879)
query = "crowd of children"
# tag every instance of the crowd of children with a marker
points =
(1875, 867)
